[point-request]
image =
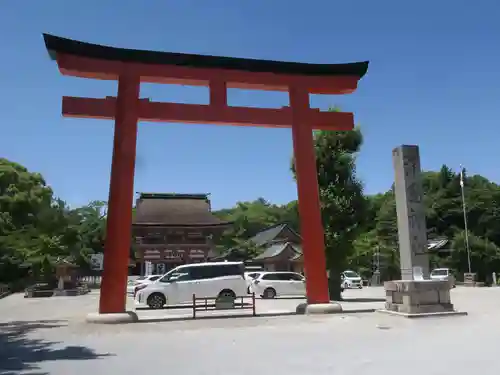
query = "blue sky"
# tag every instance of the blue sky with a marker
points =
(434, 80)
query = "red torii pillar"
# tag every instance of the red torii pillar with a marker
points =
(131, 67)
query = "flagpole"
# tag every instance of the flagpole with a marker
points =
(465, 216)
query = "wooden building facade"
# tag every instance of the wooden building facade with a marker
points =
(280, 247)
(174, 229)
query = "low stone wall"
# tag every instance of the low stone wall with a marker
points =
(71, 292)
(30, 293)
(38, 293)
(4, 290)
(418, 297)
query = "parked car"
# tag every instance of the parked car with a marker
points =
(443, 274)
(250, 277)
(143, 280)
(205, 280)
(275, 284)
(350, 280)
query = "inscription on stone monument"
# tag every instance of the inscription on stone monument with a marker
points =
(412, 230)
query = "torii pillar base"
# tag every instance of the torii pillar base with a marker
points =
(318, 308)
(112, 318)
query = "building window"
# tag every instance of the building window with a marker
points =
(153, 239)
(175, 239)
(197, 241)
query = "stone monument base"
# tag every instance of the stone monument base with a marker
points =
(318, 308)
(470, 280)
(422, 298)
(116, 318)
(70, 292)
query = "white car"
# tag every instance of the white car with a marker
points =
(351, 280)
(250, 277)
(443, 274)
(133, 284)
(275, 284)
(204, 280)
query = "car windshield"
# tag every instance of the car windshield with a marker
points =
(175, 272)
(440, 272)
(350, 274)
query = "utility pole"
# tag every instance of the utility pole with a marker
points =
(464, 208)
(376, 275)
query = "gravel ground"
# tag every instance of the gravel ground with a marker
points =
(340, 344)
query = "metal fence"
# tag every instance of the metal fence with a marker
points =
(91, 281)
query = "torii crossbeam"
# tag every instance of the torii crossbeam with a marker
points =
(131, 67)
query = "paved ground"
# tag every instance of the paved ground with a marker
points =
(37, 339)
(16, 307)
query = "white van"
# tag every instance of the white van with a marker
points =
(443, 274)
(205, 280)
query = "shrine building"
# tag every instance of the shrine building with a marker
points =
(174, 229)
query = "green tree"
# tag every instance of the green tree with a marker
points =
(36, 228)
(444, 217)
(249, 218)
(484, 254)
(23, 196)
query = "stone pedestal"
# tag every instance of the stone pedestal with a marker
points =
(470, 279)
(66, 292)
(318, 308)
(422, 298)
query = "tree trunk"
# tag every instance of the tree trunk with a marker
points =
(334, 284)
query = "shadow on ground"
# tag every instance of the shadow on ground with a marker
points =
(19, 352)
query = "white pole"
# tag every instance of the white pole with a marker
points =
(465, 216)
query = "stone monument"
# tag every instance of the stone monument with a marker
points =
(414, 295)
(412, 229)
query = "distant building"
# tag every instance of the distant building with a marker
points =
(174, 229)
(282, 251)
(440, 246)
(280, 246)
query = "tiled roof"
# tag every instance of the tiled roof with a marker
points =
(272, 251)
(277, 248)
(175, 209)
(437, 243)
(269, 234)
(298, 252)
(65, 261)
(263, 238)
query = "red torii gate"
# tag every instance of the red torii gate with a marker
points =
(131, 67)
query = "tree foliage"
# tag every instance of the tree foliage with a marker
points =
(36, 228)
(250, 218)
(343, 205)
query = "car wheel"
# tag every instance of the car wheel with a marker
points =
(227, 294)
(269, 293)
(156, 301)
